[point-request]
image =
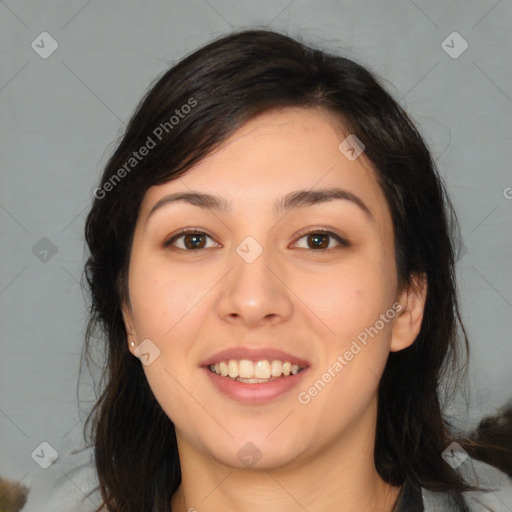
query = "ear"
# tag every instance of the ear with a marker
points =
(129, 326)
(407, 324)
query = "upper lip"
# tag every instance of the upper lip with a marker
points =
(259, 354)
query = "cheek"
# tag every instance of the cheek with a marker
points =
(355, 302)
(352, 298)
(166, 305)
(162, 298)
(350, 370)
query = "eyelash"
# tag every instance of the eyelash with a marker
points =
(188, 231)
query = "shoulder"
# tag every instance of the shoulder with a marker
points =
(70, 484)
(496, 498)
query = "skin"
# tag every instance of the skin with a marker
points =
(307, 301)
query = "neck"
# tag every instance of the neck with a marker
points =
(341, 476)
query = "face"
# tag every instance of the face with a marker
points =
(268, 270)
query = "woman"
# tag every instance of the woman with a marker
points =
(272, 267)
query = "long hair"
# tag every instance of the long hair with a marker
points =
(187, 114)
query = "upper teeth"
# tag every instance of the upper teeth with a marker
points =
(261, 369)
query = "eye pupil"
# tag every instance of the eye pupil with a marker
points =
(195, 237)
(316, 237)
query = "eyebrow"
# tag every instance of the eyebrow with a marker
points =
(293, 200)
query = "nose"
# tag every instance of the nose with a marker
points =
(255, 292)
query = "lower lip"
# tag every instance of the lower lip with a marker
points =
(254, 393)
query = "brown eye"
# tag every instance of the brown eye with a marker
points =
(191, 240)
(320, 239)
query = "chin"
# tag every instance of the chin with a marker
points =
(257, 452)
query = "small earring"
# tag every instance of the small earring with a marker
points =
(132, 343)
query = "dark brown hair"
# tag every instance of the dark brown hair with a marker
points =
(491, 441)
(226, 83)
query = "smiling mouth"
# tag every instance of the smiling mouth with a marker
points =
(258, 372)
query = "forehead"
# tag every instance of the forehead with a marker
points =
(274, 153)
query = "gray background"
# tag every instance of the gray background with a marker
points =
(62, 115)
